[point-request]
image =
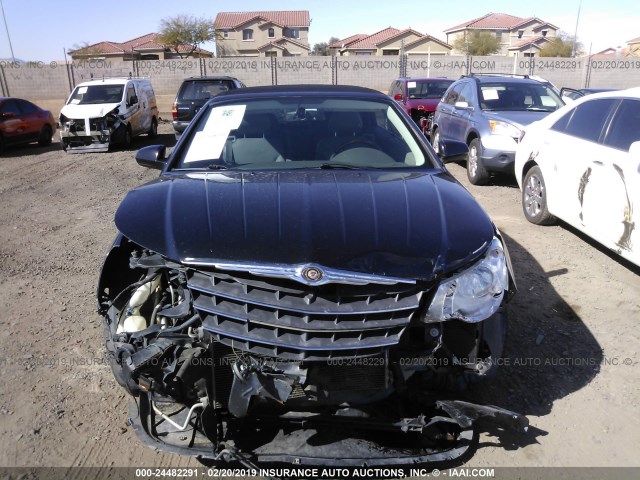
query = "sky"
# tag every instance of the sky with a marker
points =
(44, 29)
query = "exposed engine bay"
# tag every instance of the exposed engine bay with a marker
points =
(94, 134)
(199, 349)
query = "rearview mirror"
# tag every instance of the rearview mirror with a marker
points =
(462, 105)
(153, 156)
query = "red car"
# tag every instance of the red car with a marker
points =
(419, 97)
(23, 122)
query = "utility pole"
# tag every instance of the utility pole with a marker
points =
(7, 29)
(575, 35)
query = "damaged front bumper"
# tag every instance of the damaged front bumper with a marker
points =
(446, 432)
(232, 366)
(91, 134)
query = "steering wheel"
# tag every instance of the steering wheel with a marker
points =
(359, 142)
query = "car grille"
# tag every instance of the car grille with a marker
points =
(282, 318)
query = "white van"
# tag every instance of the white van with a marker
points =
(101, 113)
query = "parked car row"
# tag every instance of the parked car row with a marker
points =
(578, 162)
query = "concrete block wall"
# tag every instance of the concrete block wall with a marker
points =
(49, 84)
(368, 71)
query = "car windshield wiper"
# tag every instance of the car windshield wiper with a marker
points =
(332, 165)
(537, 109)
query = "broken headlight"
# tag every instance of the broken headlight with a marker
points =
(474, 294)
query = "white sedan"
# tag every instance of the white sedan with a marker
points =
(581, 164)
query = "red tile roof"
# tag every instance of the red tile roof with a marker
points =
(635, 40)
(287, 18)
(370, 42)
(270, 44)
(144, 42)
(100, 47)
(491, 21)
(400, 33)
(349, 40)
(529, 41)
(292, 40)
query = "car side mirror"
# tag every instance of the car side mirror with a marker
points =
(398, 97)
(452, 151)
(133, 100)
(7, 115)
(153, 156)
(462, 105)
(569, 94)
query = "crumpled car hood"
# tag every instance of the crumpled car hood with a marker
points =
(410, 225)
(92, 110)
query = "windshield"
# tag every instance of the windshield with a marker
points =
(96, 94)
(519, 97)
(427, 89)
(308, 132)
(201, 90)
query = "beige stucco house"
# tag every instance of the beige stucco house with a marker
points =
(262, 34)
(518, 36)
(390, 41)
(633, 47)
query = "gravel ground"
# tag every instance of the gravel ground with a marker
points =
(571, 363)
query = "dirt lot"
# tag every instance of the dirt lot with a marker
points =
(571, 365)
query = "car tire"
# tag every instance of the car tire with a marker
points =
(153, 131)
(476, 173)
(534, 198)
(45, 136)
(127, 138)
(435, 140)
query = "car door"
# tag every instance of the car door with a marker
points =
(134, 109)
(572, 151)
(32, 118)
(460, 115)
(12, 124)
(447, 112)
(618, 181)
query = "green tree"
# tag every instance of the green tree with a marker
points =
(322, 48)
(561, 46)
(181, 30)
(477, 43)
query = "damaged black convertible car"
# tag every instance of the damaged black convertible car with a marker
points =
(300, 282)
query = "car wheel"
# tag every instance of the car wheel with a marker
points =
(534, 198)
(153, 131)
(435, 140)
(475, 171)
(44, 138)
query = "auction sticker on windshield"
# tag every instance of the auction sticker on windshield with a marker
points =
(209, 143)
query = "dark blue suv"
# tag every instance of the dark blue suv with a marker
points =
(488, 112)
